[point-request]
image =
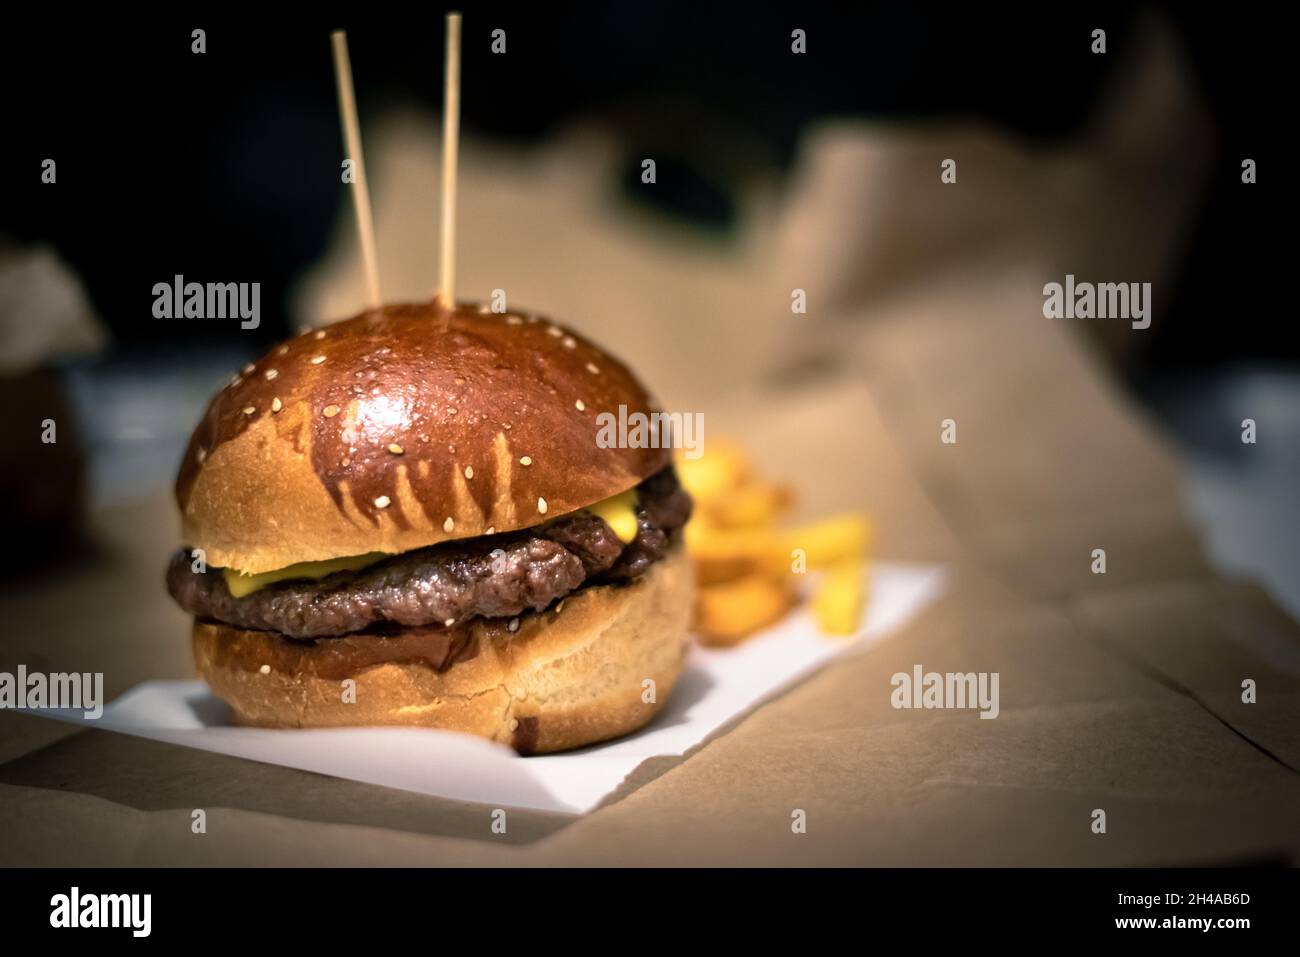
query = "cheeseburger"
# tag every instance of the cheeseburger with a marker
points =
(415, 499)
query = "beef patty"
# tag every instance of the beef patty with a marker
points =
(491, 577)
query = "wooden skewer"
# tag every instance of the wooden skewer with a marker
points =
(450, 140)
(352, 138)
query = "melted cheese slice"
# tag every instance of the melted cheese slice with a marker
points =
(241, 584)
(619, 513)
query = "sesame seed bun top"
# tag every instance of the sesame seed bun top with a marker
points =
(402, 427)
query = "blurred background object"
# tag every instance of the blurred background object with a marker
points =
(774, 171)
(45, 318)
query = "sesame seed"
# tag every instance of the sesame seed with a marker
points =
(541, 505)
(484, 308)
(449, 622)
(270, 374)
(276, 404)
(560, 607)
(514, 722)
(591, 367)
(395, 449)
(554, 331)
(320, 333)
(383, 501)
(525, 460)
(249, 410)
(248, 368)
(448, 525)
(265, 669)
(514, 321)
(469, 471)
(491, 530)
(200, 455)
(580, 406)
(283, 351)
(317, 360)
(570, 342)
(451, 411)
(514, 624)
(330, 411)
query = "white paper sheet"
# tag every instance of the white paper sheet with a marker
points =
(715, 686)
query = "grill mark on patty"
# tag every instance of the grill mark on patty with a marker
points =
(490, 577)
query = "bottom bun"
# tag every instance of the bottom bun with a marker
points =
(571, 675)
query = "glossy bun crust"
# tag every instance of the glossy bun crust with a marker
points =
(402, 427)
(569, 676)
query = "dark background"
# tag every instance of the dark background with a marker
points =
(226, 163)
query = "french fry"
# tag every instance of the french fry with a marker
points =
(839, 599)
(715, 474)
(749, 506)
(745, 564)
(830, 541)
(722, 553)
(729, 612)
(725, 554)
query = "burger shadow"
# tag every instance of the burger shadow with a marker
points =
(150, 775)
(691, 688)
(210, 710)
